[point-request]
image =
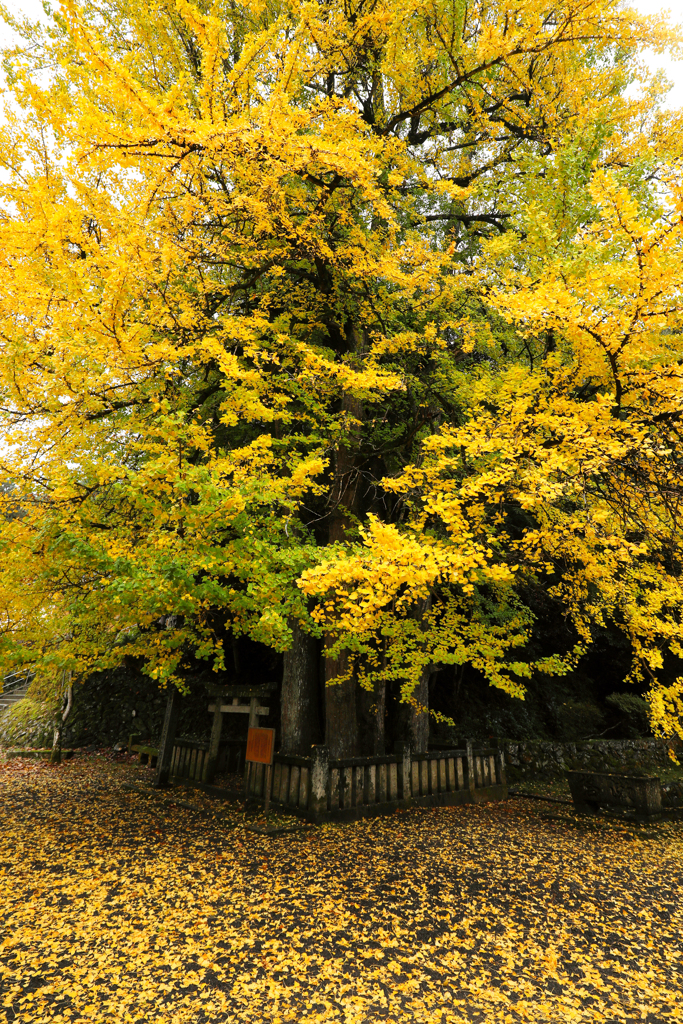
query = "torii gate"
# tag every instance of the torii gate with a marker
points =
(255, 708)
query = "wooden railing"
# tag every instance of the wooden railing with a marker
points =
(13, 687)
(322, 789)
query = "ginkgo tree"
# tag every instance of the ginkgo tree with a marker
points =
(339, 321)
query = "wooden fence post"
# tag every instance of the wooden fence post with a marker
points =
(470, 768)
(211, 762)
(269, 786)
(167, 738)
(501, 766)
(253, 724)
(402, 749)
(320, 779)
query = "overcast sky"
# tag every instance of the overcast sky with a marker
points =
(674, 70)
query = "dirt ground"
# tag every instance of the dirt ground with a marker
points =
(128, 905)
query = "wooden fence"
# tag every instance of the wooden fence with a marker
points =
(321, 789)
(188, 760)
(231, 754)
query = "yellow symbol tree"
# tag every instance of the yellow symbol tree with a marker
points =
(367, 310)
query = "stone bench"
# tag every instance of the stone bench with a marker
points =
(144, 750)
(639, 796)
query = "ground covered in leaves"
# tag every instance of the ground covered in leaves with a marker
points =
(120, 905)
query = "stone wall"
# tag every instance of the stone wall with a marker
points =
(672, 795)
(538, 757)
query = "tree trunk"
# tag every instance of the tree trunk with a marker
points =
(380, 720)
(56, 755)
(418, 722)
(299, 702)
(409, 725)
(372, 720)
(341, 699)
(341, 712)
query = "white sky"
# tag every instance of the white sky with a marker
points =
(673, 70)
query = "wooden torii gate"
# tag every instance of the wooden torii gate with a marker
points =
(227, 702)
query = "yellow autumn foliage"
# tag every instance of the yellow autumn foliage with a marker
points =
(239, 240)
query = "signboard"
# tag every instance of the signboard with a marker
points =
(260, 746)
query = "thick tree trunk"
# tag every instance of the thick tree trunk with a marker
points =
(341, 699)
(372, 720)
(299, 702)
(409, 724)
(379, 744)
(418, 721)
(341, 712)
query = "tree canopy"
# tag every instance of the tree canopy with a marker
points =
(359, 318)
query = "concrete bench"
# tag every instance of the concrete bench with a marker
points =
(143, 749)
(639, 796)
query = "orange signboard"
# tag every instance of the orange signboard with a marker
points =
(260, 745)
